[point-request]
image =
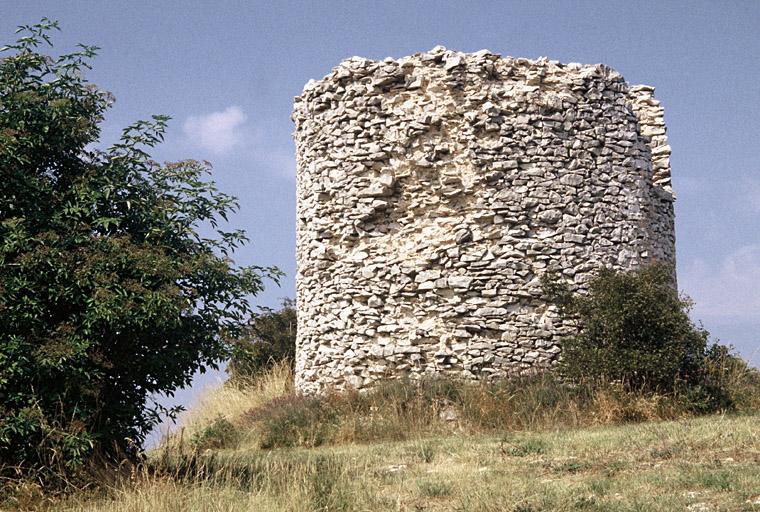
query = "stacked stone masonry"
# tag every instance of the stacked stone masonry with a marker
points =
(435, 190)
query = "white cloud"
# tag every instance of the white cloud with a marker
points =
(229, 129)
(218, 132)
(727, 291)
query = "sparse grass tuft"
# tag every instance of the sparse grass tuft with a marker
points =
(426, 452)
(221, 433)
(434, 488)
(527, 447)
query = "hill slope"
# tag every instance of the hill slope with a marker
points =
(708, 463)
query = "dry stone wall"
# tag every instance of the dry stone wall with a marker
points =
(435, 190)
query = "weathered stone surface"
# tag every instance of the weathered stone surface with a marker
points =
(435, 190)
(459, 282)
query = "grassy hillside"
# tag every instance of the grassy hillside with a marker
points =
(525, 446)
(709, 463)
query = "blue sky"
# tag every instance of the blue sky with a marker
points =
(227, 72)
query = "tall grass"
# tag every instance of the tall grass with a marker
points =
(267, 413)
(225, 405)
(250, 446)
(238, 482)
(400, 410)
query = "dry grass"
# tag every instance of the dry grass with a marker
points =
(232, 402)
(268, 414)
(521, 446)
(699, 464)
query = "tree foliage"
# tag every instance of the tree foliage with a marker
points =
(271, 339)
(109, 291)
(633, 327)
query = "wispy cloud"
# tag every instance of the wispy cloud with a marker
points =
(229, 133)
(218, 132)
(728, 290)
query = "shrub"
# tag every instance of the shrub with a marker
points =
(109, 293)
(270, 339)
(221, 433)
(293, 420)
(730, 380)
(632, 327)
(635, 335)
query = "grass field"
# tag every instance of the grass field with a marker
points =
(704, 464)
(519, 446)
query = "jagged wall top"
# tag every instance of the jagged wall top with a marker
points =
(537, 73)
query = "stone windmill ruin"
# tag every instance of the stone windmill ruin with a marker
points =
(436, 189)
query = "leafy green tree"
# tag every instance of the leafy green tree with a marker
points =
(271, 339)
(109, 291)
(633, 327)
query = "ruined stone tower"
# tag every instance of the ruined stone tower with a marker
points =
(435, 190)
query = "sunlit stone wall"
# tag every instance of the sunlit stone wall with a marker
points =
(435, 190)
